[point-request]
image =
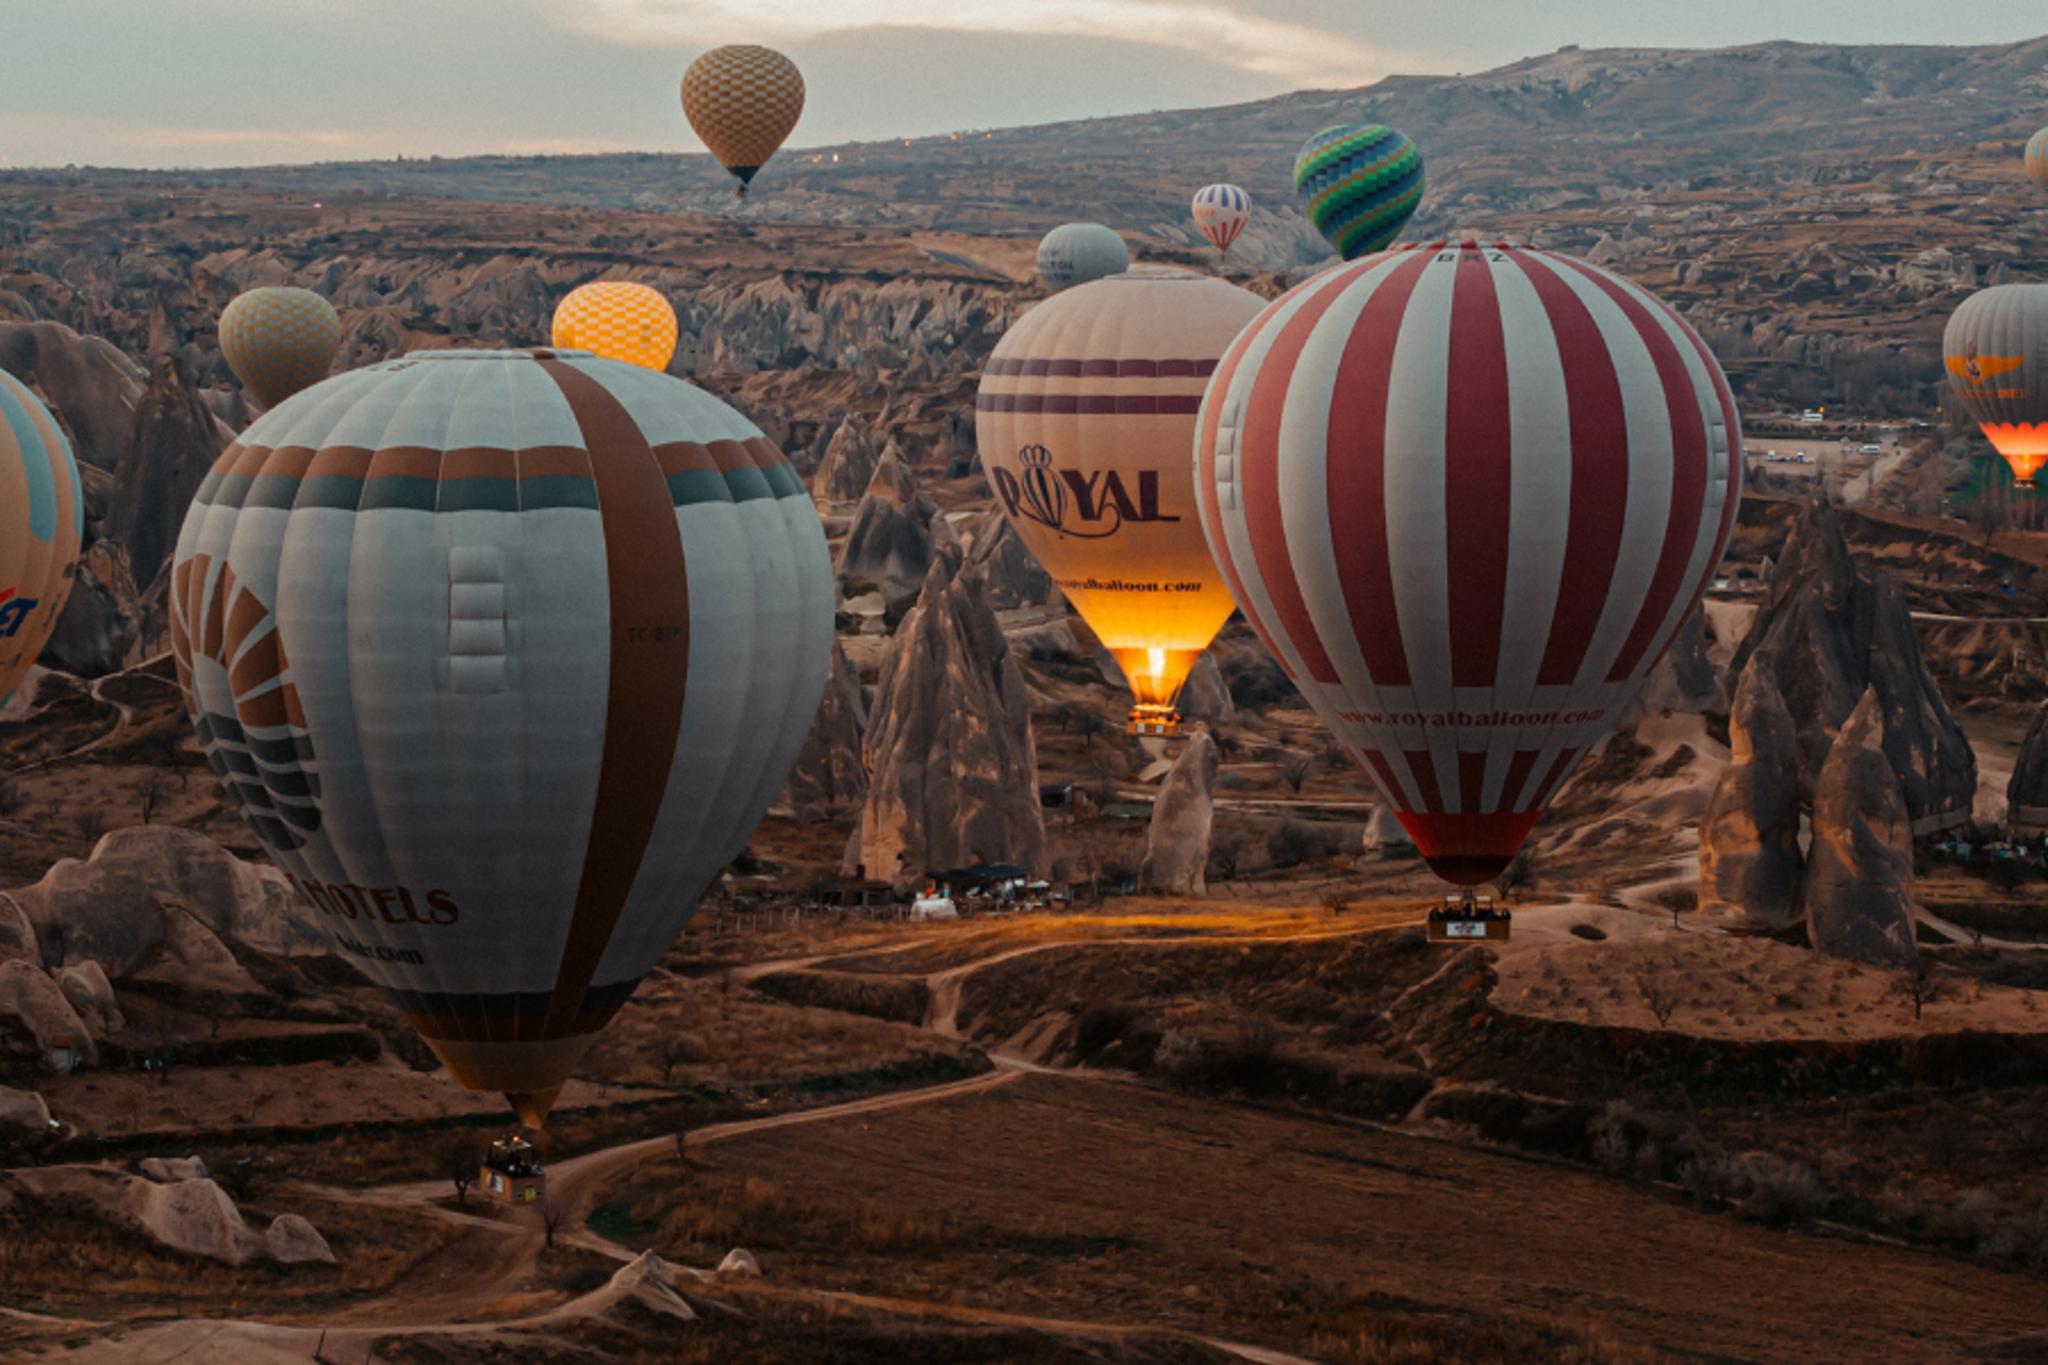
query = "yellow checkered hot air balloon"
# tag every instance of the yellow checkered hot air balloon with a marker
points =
(743, 100)
(619, 320)
(278, 341)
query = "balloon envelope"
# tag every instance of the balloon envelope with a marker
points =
(1467, 495)
(1084, 419)
(1221, 211)
(743, 100)
(42, 518)
(1996, 350)
(502, 655)
(619, 320)
(278, 341)
(2036, 160)
(1075, 253)
(1359, 184)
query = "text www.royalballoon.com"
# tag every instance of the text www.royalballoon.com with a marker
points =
(1124, 585)
(1426, 719)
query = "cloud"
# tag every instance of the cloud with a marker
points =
(1292, 54)
(46, 139)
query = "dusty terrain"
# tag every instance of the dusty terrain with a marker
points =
(1269, 1124)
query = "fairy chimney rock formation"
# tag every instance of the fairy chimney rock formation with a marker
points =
(952, 768)
(828, 779)
(1684, 680)
(1750, 863)
(1177, 844)
(889, 546)
(848, 464)
(1859, 872)
(2026, 795)
(1833, 631)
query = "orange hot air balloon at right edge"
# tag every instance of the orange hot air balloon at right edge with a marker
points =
(1996, 350)
(1467, 495)
(1084, 419)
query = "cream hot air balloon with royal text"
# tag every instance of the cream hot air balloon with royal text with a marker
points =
(42, 519)
(1467, 495)
(1084, 419)
(502, 655)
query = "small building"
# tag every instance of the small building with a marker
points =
(512, 1172)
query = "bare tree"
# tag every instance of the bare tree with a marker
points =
(677, 1050)
(462, 1161)
(152, 793)
(1226, 854)
(553, 1209)
(91, 823)
(1919, 986)
(1294, 772)
(1658, 995)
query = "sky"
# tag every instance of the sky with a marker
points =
(162, 83)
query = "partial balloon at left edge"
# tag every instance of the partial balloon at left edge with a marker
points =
(42, 522)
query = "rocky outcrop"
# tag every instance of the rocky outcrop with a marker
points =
(17, 934)
(649, 1282)
(291, 1240)
(889, 546)
(91, 997)
(23, 1109)
(192, 1216)
(2026, 795)
(167, 1168)
(1014, 577)
(1859, 872)
(88, 383)
(1685, 680)
(36, 1020)
(1177, 844)
(1385, 835)
(1750, 863)
(154, 890)
(739, 1261)
(1831, 631)
(952, 768)
(1204, 696)
(828, 780)
(101, 629)
(172, 443)
(848, 464)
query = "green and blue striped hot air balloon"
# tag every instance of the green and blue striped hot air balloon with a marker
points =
(1359, 183)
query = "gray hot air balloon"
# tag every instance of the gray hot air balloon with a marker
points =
(502, 654)
(1075, 253)
(1996, 350)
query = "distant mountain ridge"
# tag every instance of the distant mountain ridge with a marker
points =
(1568, 122)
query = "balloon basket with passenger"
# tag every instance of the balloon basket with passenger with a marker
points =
(1469, 918)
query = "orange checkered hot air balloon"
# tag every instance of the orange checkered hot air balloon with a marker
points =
(743, 100)
(278, 341)
(619, 320)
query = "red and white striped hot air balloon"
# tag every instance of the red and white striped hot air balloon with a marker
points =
(1221, 211)
(1467, 494)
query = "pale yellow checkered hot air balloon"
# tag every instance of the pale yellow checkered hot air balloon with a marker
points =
(743, 100)
(619, 320)
(278, 341)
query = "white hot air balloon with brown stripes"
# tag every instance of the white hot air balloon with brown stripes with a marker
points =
(1467, 495)
(502, 655)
